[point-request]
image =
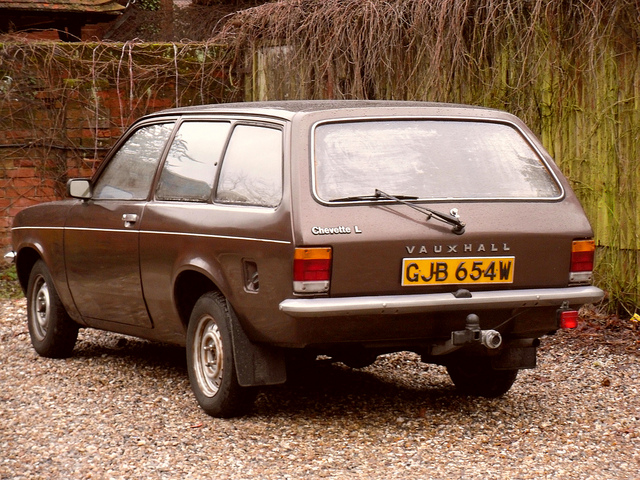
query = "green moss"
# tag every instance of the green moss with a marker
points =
(9, 285)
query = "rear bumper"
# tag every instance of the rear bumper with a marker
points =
(438, 302)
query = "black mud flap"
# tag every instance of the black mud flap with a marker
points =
(513, 358)
(255, 364)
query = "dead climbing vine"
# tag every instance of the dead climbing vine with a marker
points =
(63, 105)
(475, 51)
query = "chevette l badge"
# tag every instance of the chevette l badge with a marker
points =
(339, 230)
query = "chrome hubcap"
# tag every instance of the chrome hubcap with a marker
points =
(207, 355)
(40, 308)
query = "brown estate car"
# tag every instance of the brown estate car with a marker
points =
(257, 233)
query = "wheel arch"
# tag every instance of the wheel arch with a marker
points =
(188, 287)
(25, 260)
(256, 364)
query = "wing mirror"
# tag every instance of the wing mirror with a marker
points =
(79, 188)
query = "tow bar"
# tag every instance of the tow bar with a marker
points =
(472, 334)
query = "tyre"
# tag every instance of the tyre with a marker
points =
(475, 376)
(210, 360)
(53, 333)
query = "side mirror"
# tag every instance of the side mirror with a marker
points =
(79, 188)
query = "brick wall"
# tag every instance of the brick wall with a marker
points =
(63, 105)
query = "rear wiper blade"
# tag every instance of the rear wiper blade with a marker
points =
(365, 198)
(458, 225)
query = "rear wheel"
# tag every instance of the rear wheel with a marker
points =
(475, 376)
(210, 360)
(53, 333)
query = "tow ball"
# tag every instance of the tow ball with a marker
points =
(472, 334)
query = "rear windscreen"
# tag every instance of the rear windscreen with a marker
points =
(428, 159)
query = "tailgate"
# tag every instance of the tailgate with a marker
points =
(370, 179)
(390, 249)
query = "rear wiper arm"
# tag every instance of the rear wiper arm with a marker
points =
(458, 225)
(365, 198)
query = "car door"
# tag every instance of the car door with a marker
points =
(102, 233)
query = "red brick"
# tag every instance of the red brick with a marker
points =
(23, 172)
(21, 192)
(48, 192)
(112, 101)
(16, 135)
(74, 133)
(25, 162)
(75, 110)
(159, 103)
(24, 182)
(5, 240)
(104, 133)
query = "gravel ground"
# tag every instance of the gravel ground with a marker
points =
(122, 408)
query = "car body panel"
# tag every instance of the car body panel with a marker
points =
(102, 261)
(125, 277)
(214, 240)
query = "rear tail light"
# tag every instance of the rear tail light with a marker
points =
(582, 255)
(568, 319)
(312, 270)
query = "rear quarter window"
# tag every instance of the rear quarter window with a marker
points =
(251, 172)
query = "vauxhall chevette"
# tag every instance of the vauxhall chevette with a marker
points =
(259, 234)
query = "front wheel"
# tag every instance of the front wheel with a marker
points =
(210, 359)
(53, 333)
(475, 376)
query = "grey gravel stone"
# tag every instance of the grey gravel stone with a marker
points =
(121, 408)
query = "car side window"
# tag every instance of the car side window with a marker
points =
(251, 172)
(189, 171)
(130, 172)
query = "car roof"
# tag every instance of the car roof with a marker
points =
(287, 109)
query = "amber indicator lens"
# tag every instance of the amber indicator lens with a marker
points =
(582, 254)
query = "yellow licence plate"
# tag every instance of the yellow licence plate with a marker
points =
(451, 271)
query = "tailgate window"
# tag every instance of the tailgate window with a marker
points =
(429, 159)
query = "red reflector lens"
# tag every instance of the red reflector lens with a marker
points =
(569, 319)
(311, 270)
(582, 253)
(312, 265)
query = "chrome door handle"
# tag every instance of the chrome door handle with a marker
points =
(129, 219)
